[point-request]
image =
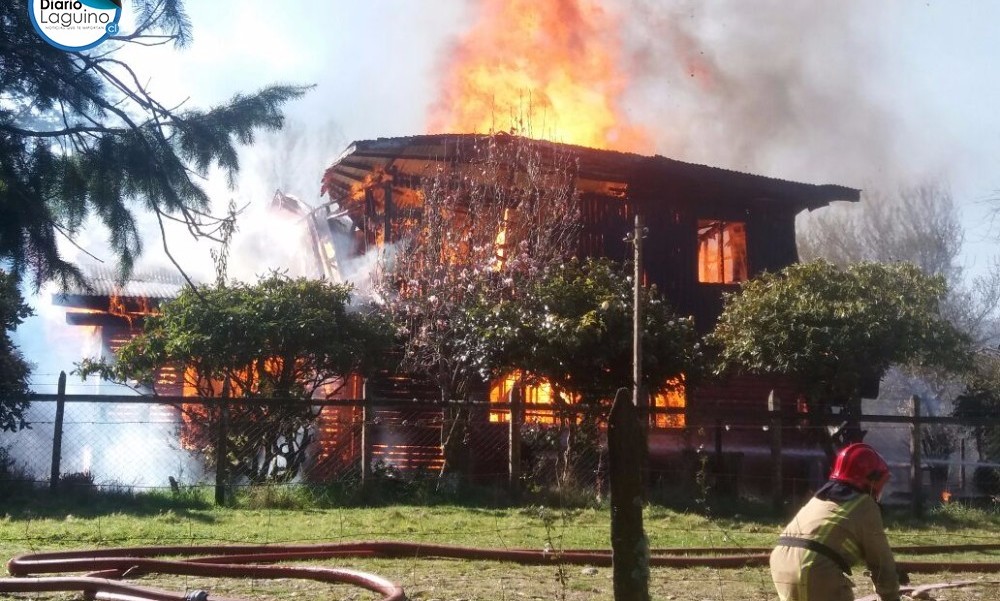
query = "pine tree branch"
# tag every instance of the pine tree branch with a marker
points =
(161, 40)
(166, 250)
(73, 241)
(137, 95)
(88, 136)
(196, 227)
(168, 190)
(99, 100)
(58, 133)
(153, 17)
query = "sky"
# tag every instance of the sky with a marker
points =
(863, 94)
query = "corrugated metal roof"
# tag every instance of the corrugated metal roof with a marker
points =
(150, 284)
(417, 155)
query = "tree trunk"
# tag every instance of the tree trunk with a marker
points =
(453, 447)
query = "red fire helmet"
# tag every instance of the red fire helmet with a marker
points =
(861, 466)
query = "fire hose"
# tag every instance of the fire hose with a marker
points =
(104, 569)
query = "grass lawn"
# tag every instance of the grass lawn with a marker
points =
(62, 524)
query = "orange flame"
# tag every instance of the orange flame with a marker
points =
(116, 307)
(543, 69)
(539, 405)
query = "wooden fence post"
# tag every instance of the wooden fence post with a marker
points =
(57, 433)
(777, 483)
(916, 461)
(367, 416)
(961, 471)
(629, 547)
(221, 452)
(514, 444)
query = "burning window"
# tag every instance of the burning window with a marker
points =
(675, 397)
(538, 405)
(539, 408)
(722, 251)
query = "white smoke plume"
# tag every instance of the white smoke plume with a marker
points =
(792, 90)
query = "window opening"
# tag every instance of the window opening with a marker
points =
(675, 397)
(722, 251)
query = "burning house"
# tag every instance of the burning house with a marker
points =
(117, 310)
(709, 229)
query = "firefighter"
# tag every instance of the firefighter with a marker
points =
(839, 527)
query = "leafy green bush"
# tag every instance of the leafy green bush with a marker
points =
(987, 480)
(77, 484)
(14, 478)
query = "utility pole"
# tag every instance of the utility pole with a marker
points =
(628, 451)
(638, 398)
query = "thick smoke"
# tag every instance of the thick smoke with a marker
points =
(792, 90)
(133, 444)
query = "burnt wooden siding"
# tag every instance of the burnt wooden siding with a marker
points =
(671, 216)
(671, 195)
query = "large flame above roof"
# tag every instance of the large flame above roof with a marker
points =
(544, 69)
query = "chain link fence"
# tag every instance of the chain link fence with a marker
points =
(139, 443)
(404, 449)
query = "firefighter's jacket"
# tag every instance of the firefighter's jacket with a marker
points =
(848, 524)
